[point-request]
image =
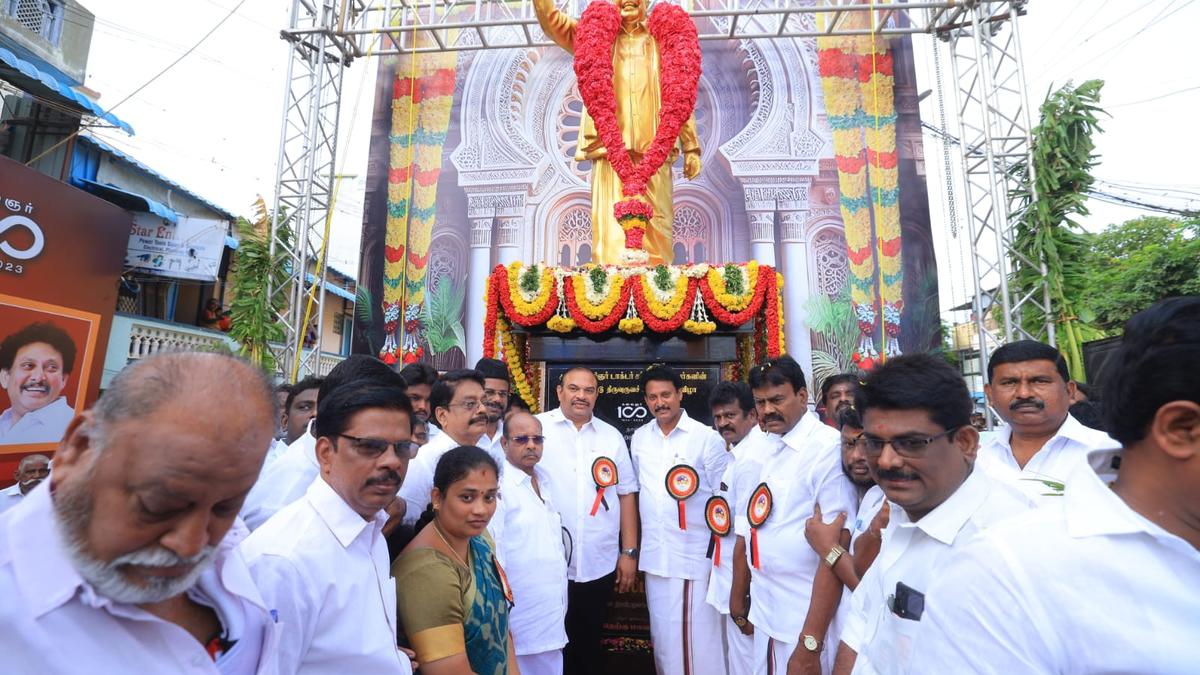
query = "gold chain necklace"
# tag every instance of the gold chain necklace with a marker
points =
(454, 553)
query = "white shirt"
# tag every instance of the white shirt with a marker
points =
(1084, 585)
(739, 480)
(10, 497)
(44, 425)
(283, 481)
(54, 622)
(274, 452)
(667, 550)
(1058, 458)
(868, 508)
(803, 467)
(529, 544)
(912, 553)
(594, 541)
(418, 482)
(325, 570)
(492, 443)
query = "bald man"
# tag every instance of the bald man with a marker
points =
(32, 470)
(122, 562)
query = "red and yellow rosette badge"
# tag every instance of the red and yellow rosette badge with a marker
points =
(758, 509)
(604, 474)
(682, 482)
(508, 594)
(720, 521)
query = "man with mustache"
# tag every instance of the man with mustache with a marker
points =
(496, 390)
(458, 410)
(1040, 444)
(920, 445)
(420, 378)
(873, 509)
(125, 560)
(837, 394)
(679, 462)
(32, 469)
(1107, 578)
(735, 418)
(286, 479)
(602, 542)
(528, 534)
(35, 365)
(322, 562)
(793, 602)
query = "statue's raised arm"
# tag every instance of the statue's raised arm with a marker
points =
(556, 24)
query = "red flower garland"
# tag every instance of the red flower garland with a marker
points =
(599, 325)
(765, 273)
(493, 306)
(679, 78)
(500, 277)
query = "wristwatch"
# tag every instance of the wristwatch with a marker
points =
(834, 554)
(631, 552)
(810, 643)
(739, 621)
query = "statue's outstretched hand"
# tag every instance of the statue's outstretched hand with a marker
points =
(691, 165)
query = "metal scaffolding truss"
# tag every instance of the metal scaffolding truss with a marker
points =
(326, 36)
(995, 137)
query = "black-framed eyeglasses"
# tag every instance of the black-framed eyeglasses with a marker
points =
(470, 405)
(524, 440)
(905, 446)
(373, 448)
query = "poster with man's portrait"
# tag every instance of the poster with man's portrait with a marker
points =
(46, 352)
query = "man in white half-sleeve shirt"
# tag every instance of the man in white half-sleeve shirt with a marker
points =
(124, 560)
(1041, 443)
(794, 600)
(322, 562)
(920, 446)
(286, 479)
(457, 403)
(576, 443)
(735, 418)
(1108, 578)
(528, 535)
(679, 463)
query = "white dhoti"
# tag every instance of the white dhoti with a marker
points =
(771, 656)
(685, 630)
(542, 663)
(739, 649)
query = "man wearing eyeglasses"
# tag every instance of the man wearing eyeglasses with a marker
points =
(920, 447)
(794, 600)
(496, 390)
(602, 542)
(458, 410)
(322, 562)
(528, 535)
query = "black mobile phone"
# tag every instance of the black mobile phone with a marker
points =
(907, 602)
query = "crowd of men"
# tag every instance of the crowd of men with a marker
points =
(196, 520)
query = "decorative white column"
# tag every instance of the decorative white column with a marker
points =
(796, 289)
(477, 279)
(508, 239)
(762, 236)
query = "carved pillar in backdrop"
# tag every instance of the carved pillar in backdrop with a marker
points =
(796, 291)
(477, 278)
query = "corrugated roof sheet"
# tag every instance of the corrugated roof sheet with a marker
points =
(57, 82)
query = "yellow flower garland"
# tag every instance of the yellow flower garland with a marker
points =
(665, 310)
(538, 302)
(595, 312)
(734, 303)
(516, 364)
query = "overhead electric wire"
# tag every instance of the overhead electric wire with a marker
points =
(1154, 98)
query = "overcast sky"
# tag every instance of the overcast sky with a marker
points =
(211, 123)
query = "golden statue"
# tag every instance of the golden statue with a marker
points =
(636, 84)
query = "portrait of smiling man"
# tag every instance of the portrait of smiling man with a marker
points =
(120, 563)
(35, 366)
(1041, 443)
(920, 448)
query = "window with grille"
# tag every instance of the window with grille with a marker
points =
(575, 236)
(44, 17)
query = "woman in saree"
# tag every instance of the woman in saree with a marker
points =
(452, 597)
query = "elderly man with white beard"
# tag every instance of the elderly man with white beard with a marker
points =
(121, 563)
